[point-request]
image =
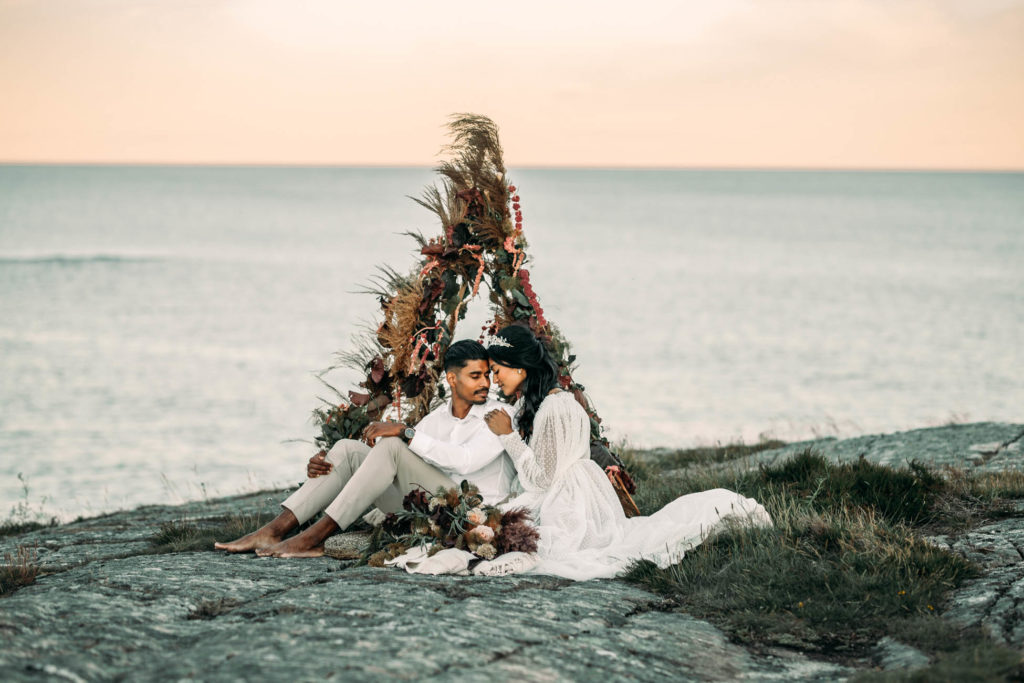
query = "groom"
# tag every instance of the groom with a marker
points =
(452, 443)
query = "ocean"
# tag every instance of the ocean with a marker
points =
(161, 327)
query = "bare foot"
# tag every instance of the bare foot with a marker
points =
(309, 543)
(267, 535)
(293, 547)
(261, 538)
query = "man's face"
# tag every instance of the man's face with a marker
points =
(471, 383)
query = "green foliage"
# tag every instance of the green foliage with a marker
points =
(343, 421)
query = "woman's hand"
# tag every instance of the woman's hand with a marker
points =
(499, 422)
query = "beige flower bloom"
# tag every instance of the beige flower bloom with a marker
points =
(486, 551)
(476, 516)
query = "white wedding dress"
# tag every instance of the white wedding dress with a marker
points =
(584, 533)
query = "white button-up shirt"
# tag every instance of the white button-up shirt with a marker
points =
(467, 449)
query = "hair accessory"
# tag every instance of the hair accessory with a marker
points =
(495, 340)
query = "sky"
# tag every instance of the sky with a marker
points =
(930, 84)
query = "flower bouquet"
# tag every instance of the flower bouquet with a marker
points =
(453, 518)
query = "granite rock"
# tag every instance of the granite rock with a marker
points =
(985, 445)
(104, 609)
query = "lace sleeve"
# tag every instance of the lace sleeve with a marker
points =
(537, 461)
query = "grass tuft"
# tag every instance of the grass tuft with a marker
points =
(13, 528)
(897, 495)
(18, 570)
(185, 536)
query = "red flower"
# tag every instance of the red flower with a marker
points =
(516, 197)
(511, 188)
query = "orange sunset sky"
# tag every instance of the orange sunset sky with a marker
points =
(715, 83)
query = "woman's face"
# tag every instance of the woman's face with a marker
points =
(509, 380)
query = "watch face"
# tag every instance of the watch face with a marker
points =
(409, 433)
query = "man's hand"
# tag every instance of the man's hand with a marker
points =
(318, 465)
(378, 430)
(499, 421)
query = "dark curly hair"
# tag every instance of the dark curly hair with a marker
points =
(529, 353)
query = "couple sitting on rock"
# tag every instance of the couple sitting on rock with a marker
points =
(534, 454)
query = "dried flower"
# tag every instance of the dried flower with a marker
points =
(480, 534)
(476, 516)
(516, 532)
(439, 520)
(416, 498)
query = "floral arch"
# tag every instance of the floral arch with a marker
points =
(481, 244)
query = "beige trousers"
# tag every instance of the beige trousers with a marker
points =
(364, 476)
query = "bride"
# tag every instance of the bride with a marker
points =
(584, 533)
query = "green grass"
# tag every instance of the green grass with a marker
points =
(845, 563)
(186, 536)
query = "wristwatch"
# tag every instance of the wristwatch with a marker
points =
(408, 434)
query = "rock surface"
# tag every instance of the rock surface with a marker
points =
(988, 446)
(101, 610)
(994, 601)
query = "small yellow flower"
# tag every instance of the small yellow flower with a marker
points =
(799, 604)
(902, 593)
(931, 608)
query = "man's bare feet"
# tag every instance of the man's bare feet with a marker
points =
(261, 538)
(310, 543)
(268, 535)
(293, 547)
